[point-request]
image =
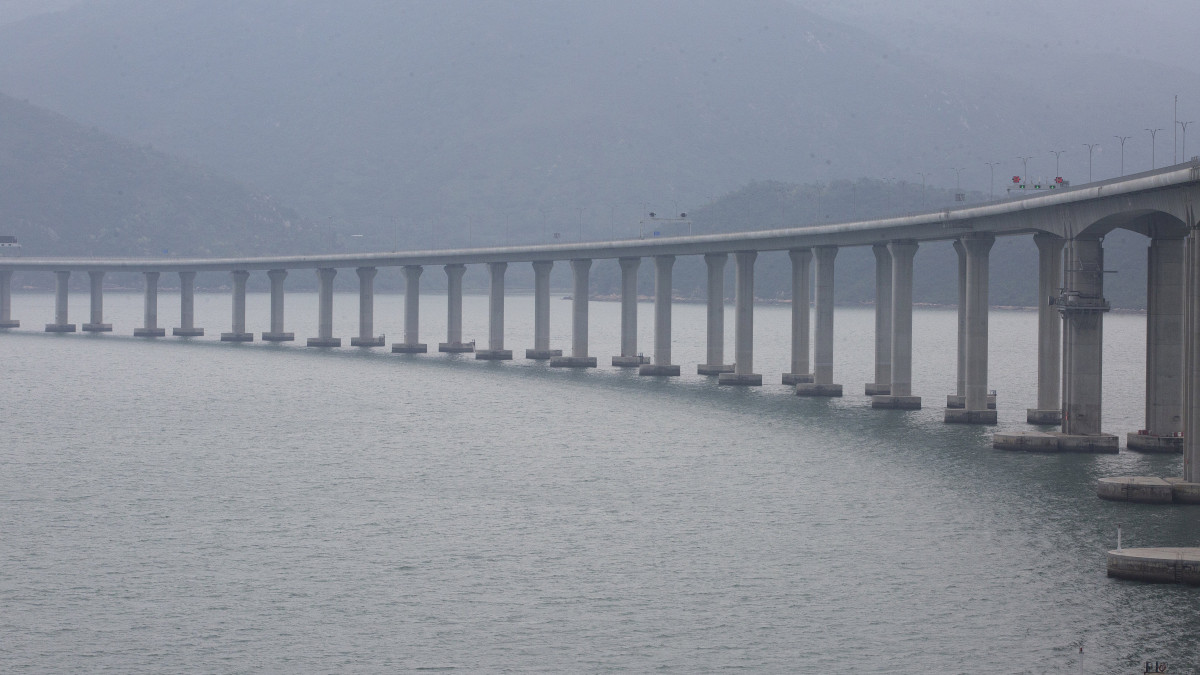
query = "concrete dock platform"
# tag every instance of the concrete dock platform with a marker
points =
(456, 347)
(493, 355)
(798, 378)
(629, 361)
(1148, 490)
(405, 348)
(1163, 565)
(656, 370)
(740, 380)
(813, 389)
(64, 328)
(958, 402)
(11, 323)
(97, 327)
(573, 362)
(141, 332)
(237, 337)
(324, 342)
(713, 368)
(197, 332)
(1149, 443)
(1054, 441)
(542, 354)
(889, 402)
(278, 337)
(377, 341)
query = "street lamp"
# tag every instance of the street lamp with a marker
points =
(1152, 133)
(1122, 139)
(581, 210)
(1025, 168)
(922, 175)
(1057, 154)
(1090, 147)
(992, 179)
(1184, 146)
(959, 195)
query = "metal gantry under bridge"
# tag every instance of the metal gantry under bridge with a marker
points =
(1068, 226)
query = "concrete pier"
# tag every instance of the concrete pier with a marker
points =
(1050, 279)
(454, 343)
(6, 320)
(976, 410)
(822, 384)
(96, 323)
(662, 365)
(715, 362)
(900, 392)
(150, 309)
(1053, 441)
(412, 313)
(743, 368)
(495, 350)
(366, 310)
(277, 334)
(238, 332)
(325, 337)
(1082, 306)
(1191, 359)
(1156, 565)
(187, 307)
(801, 307)
(883, 322)
(61, 323)
(1164, 350)
(580, 268)
(629, 357)
(959, 398)
(541, 313)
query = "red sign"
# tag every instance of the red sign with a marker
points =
(1016, 179)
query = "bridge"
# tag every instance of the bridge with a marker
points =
(1068, 225)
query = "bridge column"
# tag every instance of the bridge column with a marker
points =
(366, 310)
(822, 384)
(662, 320)
(238, 332)
(743, 367)
(1048, 409)
(325, 337)
(1191, 360)
(150, 309)
(883, 322)
(60, 325)
(187, 306)
(900, 397)
(715, 363)
(629, 358)
(801, 307)
(277, 333)
(454, 343)
(1164, 349)
(579, 320)
(96, 324)
(1082, 306)
(412, 313)
(976, 409)
(541, 313)
(6, 320)
(495, 350)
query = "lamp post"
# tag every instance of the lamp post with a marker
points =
(1122, 139)
(581, 210)
(958, 193)
(1183, 148)
(992, 179)
(1025, 167)
(1152, 133)
(923, 175)
(1057, 154)
(1090, 147)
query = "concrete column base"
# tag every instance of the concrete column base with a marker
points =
(195, 332)
(456, 347)
(956, 401)
(406, 348)
(542, 354)
(147, 332)
(97, 327)
(740, 380)
(1140, 489)
(713, 368)
(10, 324)
(813, 389)
(1154, 444)
(1054, 441)
(964, 416)
(278, 337)
(1156, 565)
(889, 402)
(237, 337)
(572, 362)
(493, 355)
(798, 378)
(324, 342)
(873, 389)
(62, 328)
(1047, 417)
(629, 361)
(654, 369)
(377, 341)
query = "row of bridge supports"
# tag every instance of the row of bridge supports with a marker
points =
(1070, 318)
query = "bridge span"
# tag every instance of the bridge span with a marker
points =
(1068, 226)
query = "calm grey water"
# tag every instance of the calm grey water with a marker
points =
(192, 506)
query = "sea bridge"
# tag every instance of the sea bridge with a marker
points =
(1068, 225)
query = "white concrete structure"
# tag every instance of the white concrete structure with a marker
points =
(150, 306)
(412, 313)
(277, 333)
(96, 323)
(238, 334)
(715, 363)
(629, 356)
(325, 337)
(662, 320)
